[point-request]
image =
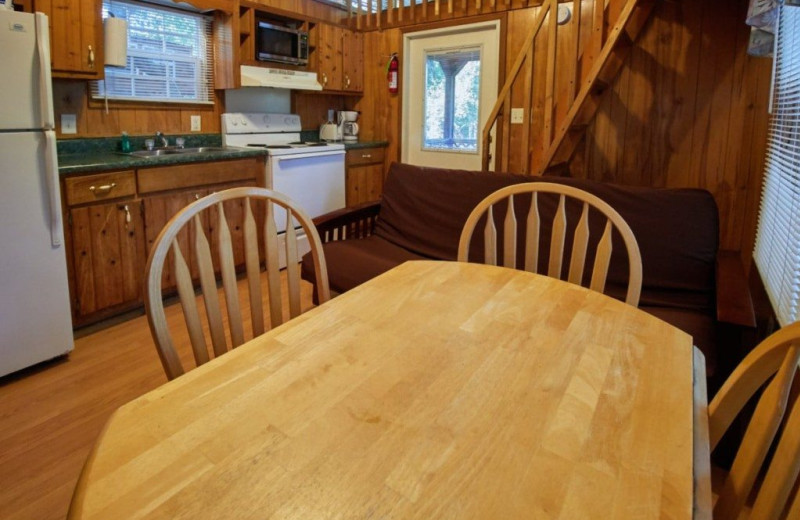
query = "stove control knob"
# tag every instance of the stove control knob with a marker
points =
(234, 122)
(288, 120)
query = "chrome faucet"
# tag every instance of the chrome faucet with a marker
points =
(161, 141)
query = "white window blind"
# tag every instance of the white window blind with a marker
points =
(777, 251)
(169, 56)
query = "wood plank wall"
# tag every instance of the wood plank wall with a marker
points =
(71, 97)
(689, 109)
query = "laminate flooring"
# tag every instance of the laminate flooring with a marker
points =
(51, 414)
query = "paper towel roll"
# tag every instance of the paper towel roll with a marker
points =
(116, 42)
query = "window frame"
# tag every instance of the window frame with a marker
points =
(205, 65)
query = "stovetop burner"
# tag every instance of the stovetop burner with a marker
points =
(308, 143)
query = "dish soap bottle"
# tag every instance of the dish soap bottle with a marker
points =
(126, 143)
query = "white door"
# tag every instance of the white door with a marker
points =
(450, 86)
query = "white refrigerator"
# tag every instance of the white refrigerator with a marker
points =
(35, 322)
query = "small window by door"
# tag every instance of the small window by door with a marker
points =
(452, 100)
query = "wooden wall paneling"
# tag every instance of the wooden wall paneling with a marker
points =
(747, 73)
(716, 57)
(755, 144)
(699, 121)
(517, 23)
(680, 62)
(566, 68)
(380, 110)
(313, 108)
(640, 101)
(613, 10)
(69, 97)
(226, 49)
(536, 148)
(72, 97)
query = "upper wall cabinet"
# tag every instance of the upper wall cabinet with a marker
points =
(338, 58)
(76, 37)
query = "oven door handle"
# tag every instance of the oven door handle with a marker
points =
(282, 158)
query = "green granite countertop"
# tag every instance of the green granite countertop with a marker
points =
(365, 144)
(99, 155)
(107, 161)
(102, 154)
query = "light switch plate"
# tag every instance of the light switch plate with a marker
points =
(69, 124)
(195, 123)
(517, 115)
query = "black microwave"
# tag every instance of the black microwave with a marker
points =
(281, 44)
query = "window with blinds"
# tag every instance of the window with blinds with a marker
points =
(777, 251)
(169, 56)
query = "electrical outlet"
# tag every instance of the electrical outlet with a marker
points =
(517, 115)
(69, 124)
(195, 123)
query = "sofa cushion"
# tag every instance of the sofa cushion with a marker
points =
(700, 326)
(424, 209)
(352, 262)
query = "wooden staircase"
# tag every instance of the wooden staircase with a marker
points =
(602, 54)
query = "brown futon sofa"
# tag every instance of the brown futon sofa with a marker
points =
(687, 281)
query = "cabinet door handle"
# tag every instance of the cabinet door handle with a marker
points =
(196, 196)
(91, 57)
(324, 79)
(105, 189)
(127, 211)
(346, 81)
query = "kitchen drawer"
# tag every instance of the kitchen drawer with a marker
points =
(365, 156)
(198, 174)
(100, 187)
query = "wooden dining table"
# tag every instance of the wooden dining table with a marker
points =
(437, 390)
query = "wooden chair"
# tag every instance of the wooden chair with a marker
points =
(558, 236)
(773, 365)
(168, 241)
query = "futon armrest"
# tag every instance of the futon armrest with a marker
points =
(734, 302)
(348, 223)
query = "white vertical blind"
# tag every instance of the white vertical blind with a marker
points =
(777, 251)
(169, 56)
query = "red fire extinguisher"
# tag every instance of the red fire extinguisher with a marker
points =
(392, 69)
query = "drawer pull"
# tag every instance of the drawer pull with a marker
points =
(366, 155)
(105, 189)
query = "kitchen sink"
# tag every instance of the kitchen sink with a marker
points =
(175, 151)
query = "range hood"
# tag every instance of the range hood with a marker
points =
(279, 78)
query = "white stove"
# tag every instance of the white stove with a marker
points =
(309, 173)
(278, 133)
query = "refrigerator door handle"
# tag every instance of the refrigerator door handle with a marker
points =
(45, 80)
(53, 191)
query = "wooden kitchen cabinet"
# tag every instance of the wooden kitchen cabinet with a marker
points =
(352, 61)
(76, 37)
(339, 58)
(108, 256)
(364, 175)
(329, 56)
(114, 218)
(158, 210)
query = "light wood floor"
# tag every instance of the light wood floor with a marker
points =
(50, 415)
